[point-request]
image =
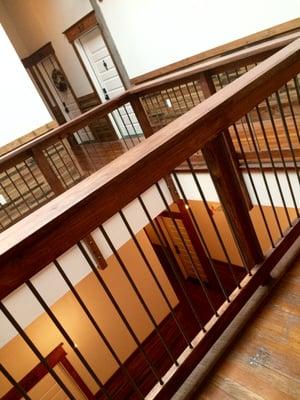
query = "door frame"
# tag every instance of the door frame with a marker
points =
(31, 62)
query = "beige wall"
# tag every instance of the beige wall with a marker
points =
(224, 229)
(17, 357)
(39, 22)
(11, 30)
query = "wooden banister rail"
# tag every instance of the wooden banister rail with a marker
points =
(219, 51)
(69, 127)
(42, 236)
(254, 54)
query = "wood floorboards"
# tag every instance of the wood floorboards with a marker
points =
(265, 362)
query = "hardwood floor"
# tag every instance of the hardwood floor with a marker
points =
(265, 363)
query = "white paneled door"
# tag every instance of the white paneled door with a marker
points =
(106, 79)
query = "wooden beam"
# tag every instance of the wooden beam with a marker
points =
(208, 89)
(34, 242)
(228, 186)
(260, 36)
(81, 26)
(45, 168)
(141, 116)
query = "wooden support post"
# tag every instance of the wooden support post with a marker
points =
(208, 89)
(227, 183)
(44, 166)
(141, 116)
(74, 158)
(95, 251)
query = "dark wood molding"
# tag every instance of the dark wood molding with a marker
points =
(83, 25)
(38, 55)
(57, 356)
(273, 32)
(37, 373)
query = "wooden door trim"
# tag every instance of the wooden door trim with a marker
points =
(81, 26)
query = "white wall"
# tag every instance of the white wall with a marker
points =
(39, 22)
(22, 109)
(21, 300)
(148, 33)
(153, 33)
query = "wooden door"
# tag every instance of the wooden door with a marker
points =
(183, 249)
(105, 77)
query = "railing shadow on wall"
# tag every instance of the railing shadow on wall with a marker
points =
(256, 113)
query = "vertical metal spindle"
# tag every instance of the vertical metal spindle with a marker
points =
(11, 199)
(126, 127)
(67, 169)
(265, 180)
(17, 189)
(183, 97)
(286, 130)
(253, 184)
(190, 93)
(40, 185)
(292, 112)
(282, 156)
(120, 312)
(136, 134)
(35, 350)
(196, 91)
(295, 79)
(203, 242)
(97, 327)
(67, 337)
(55, 167)
(162, 239)
(26, 183)
(2, 207)
(150, 269)
(71, 157)
(194, 267)
(138, 294)
(216, 229)
(15, 384)
(273, 167)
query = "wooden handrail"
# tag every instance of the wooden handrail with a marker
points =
(42, 236)
(226, 48)
(69, 127)
(253, 53)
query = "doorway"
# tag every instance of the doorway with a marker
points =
(94, 54)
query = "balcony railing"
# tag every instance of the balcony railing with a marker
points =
(139, 327)
(36, 172)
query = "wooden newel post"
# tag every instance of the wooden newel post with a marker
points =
(227, 184)
(219, 156)
(141, 116)
(45, 168)
(208, 89)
